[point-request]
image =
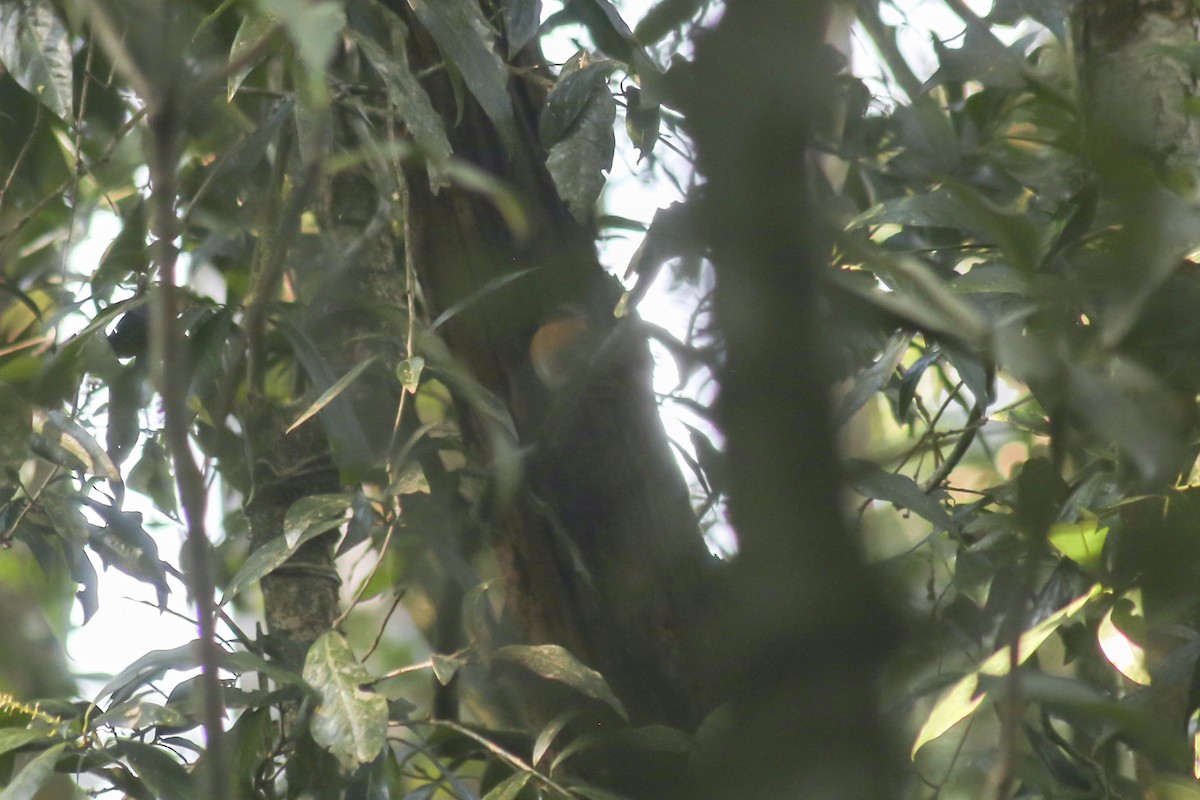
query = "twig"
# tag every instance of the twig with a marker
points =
(12, 173)
(167, 342)
(362, 587)
(960, 447)
(408, 669)
(383, 625)
(497, 750)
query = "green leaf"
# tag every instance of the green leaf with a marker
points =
(346, 437)
(14, 738)
(961, 699)
(139, 714)
(306, 519)
(651, 737)
(128, 254)
(35, 48)
(254, 30)
(152, 477)
(408, 372)
(521, 21)
(466, 175)
(1082, 542)
(477, 295)
(566, 102)
(464, 38)
(27, 782)
(577, 162)
(445, 667)
(349, 721)
(64, 441)
(546, 737)
(314, 26)
(873, 378)
(555, 663)
(509, 788)
(405, 92)
(869, 480)
(149, 667)
(162, 774)
(332, 392)
(122, 542)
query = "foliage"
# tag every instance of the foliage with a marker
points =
(1008, 308)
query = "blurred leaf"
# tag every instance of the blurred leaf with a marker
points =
(1121, 641)
(664, 17)
(254, 30)
(332, 392)
(122, 542)
(35, 48)
(25, 784)
(62, 440)
(651, 737)
(555, 663)
(474, 297)
(446, 667)
(139, 714)
(315, 27)
(162, 774)
(521, 21)
(406, 94)
(965, 696)
(546, 737)
(13, 738)
(463, 36)
(1082, 542)
(346, 437)
(871, 380)
(509, 788)
(152, 477)
(350, 721)
(870, 480)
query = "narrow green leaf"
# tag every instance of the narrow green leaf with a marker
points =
(389, 58)
(509, 788)
(346, 437)
(546, 737)
(521, 21)
(349, 721)
(255, 28)
(477, 295)
(332, 392)
(35, 48)
(27, 782)
(468, 176)
(463, 36)
(555, 663)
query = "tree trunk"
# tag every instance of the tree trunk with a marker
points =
(802, 630)
(600, 545)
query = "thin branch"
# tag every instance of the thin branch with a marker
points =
(167, 352)
(12, 173)
(503, 754)
(960, 447)
(383, 625)
(362, 587)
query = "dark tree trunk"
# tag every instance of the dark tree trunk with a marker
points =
(801, 631)
(600, 545)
